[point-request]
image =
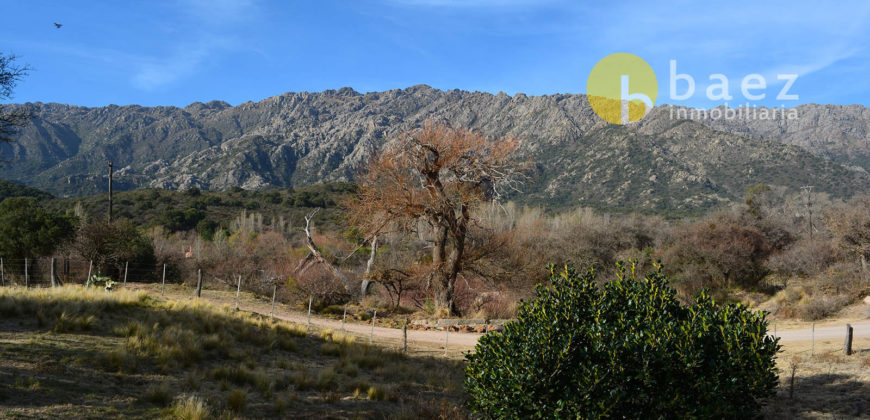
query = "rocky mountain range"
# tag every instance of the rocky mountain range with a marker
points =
(295, 139)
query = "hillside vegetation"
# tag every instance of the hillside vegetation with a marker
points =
(761, 253)
(209, 211)
(11, 189)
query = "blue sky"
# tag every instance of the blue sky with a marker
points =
(174, 52)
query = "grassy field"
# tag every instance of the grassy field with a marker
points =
(85, 353)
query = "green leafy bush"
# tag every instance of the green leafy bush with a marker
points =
(28, 230)
(627, 349)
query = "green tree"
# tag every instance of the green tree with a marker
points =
(27, 230)
(627, 349)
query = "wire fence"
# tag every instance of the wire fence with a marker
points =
(167, 280)
(223, 289)
(46, 272)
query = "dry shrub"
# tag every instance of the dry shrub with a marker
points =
(588, 239)
(495, 305)
(820, 307)
(719, 252)
(804, 258)
(842, 278)
(322, 286)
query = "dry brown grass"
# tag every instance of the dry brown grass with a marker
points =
(828, 384)
(74, 352)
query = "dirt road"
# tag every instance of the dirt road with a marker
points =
(457, 342)
(861, 330)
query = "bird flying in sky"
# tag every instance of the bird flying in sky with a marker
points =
(58, 25)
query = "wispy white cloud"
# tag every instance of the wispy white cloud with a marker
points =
(155, 72)
(819, 62)
(209, 21)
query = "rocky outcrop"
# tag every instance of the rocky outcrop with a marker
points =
(301, 138)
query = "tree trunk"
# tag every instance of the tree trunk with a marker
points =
(445, 298)
(864, 267)
(446, 291)
(439, 245)
(364, 287)
(314, 255)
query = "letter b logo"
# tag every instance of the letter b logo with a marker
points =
(622, 88)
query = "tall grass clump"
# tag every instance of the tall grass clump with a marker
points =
(190, 408)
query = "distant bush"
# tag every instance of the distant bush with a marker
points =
(205, 228)
(820, 307)
(177, 220)
(804, 258)
(624, 350)
(720, 251)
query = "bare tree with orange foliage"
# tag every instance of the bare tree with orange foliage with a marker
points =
(435, 175)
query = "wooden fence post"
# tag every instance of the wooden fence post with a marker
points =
(446, 337)
(53, 274)
(813, 340)
(198, 283)
(163, 282)
(26, 274)
(343, 317)
(238, 290)
(308, 327)
(405, 336)
(2, 274)
(274, 292)
(126, 266)
(847, 348)
(90, 269)
(372, 333)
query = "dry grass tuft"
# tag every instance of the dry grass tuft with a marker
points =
(158, 395)
(237, 400)
(190, 408)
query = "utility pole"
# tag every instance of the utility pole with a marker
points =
(110, 191)
(808, 190)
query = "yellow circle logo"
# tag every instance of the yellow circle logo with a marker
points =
(622, 88)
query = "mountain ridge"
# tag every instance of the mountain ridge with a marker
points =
(299, 138)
